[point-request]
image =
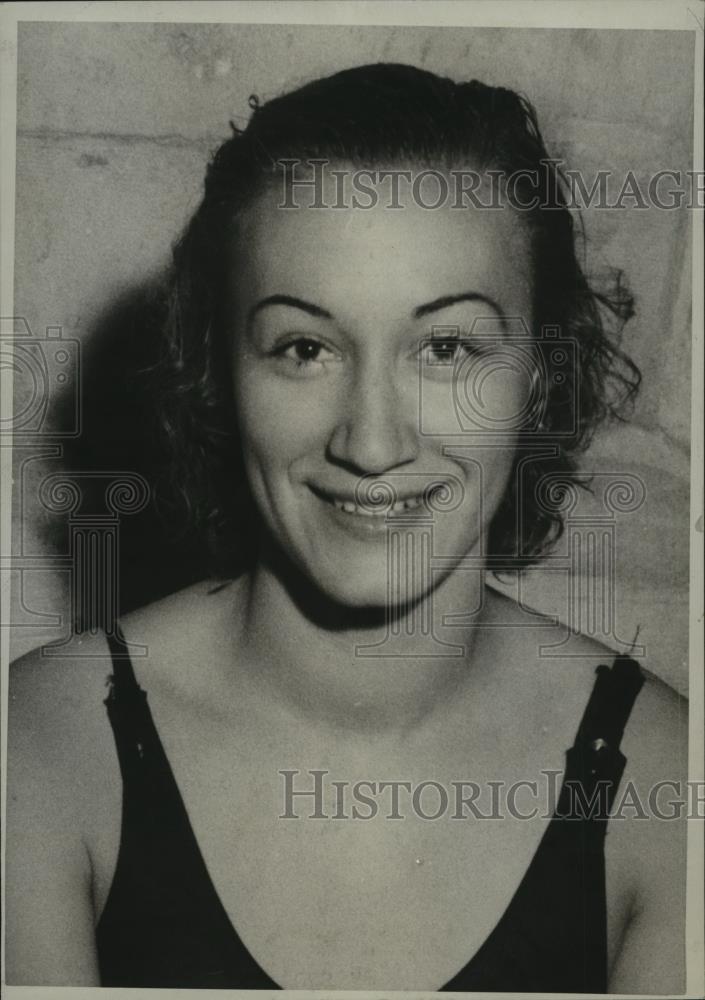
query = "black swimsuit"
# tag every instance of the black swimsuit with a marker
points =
(164, 925)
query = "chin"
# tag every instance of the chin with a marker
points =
(363, 581)
(352, 586)
(370, 573)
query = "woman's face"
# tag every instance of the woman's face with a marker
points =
(379, 346)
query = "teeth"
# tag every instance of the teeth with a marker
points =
(352, 508)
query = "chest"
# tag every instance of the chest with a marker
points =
(339, 869)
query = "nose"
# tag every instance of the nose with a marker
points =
(377, 427)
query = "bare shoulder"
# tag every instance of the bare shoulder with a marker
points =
(56, 695)
(653, 795)
(647, 843)
(645, 850)
(58, 736)
(656, 735)
(558, 671)
(50, 687)
(196, 625)
(62, 782)
(561, 665)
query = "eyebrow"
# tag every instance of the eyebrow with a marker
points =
(288, 300)
(450, 300)
(424, 310)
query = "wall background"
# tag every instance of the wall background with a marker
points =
(115, 126)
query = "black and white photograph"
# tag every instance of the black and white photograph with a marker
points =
(352, 533)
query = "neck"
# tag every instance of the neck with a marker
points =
(364, 669)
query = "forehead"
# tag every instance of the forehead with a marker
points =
(374, 256)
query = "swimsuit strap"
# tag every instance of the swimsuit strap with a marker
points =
(595, 764)
(123, 676)
(129, 714)
(610, 704)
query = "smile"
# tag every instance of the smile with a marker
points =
(350, 507)
(371, 510)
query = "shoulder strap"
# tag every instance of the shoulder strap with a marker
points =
(610, 704)
(129, 715)
(124, 679)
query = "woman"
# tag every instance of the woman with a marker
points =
(363, 419)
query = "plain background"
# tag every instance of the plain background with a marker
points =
(115, 126)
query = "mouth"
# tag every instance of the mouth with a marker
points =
(373, 510)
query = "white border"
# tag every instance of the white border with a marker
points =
(624, 14)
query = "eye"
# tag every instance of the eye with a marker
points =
(304, 355)
(439, 353)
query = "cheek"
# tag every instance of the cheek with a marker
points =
(279, 421)
(494, 394)
(486, 396)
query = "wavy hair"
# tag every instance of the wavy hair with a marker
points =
(383, 114)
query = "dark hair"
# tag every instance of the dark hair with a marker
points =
(374, 115)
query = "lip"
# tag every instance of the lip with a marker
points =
(363, 523)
